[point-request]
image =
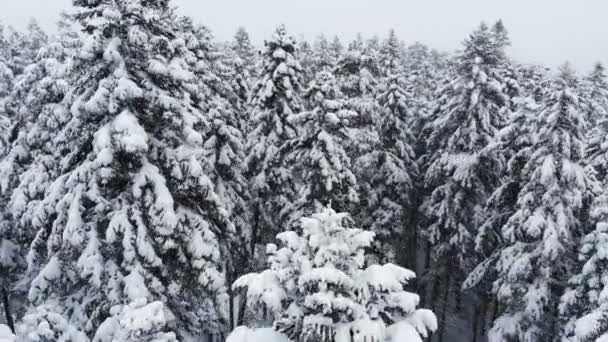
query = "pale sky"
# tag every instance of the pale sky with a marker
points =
(542, 31)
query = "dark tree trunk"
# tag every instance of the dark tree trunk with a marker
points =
(7, 309)
(444, 309)
(476, 322)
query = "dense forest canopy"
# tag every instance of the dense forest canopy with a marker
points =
(159, 185)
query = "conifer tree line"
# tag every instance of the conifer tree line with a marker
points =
(159, 185)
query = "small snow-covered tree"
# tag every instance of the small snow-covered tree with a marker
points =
(323, 56)
(139, 321)
(317, 155)
(307, 60)
(22, 47)
(594, 94)
(336, 49)
(46, 324)
(501, 35)
(319, 289)
(131, 212)
(425, 70)
(243, 48)
(541, 236)
(390, 55)
(275, 97)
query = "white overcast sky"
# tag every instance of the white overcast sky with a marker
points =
(542, 31)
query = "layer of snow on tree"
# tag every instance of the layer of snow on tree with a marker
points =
(6, 335)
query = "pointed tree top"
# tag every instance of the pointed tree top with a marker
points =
(566, 75)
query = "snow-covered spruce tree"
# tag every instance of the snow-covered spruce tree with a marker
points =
(22, 47)
(594, 94)
(357, 45)
(336, 49)
(243, 66)
(244, 49)
(584, 307)
(223, 147)
(46, 324)
(425, 69)
(458, 175)
(541, 236)
(319, 289)
(356, 74)
(595, 104)
(132, 216)
(323, 58)
(224, 151)
(393, 170)
(6, 118)
(390, 55)
(307, 60)
(138, 321)
(317, 155)
(501, 35)
(35, 104)
(513, 145)
(275, 97)
(508, 69)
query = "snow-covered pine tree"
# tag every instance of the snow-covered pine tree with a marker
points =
(357, 45)
(22, 47)
(275, 96)
(501, 35)
(319, 289)
(584, 307)
(318, 155)
(594, 94)
(336, 49)
(393, 170)
(513, 145)
(6, 119)
(541, 236)
(356, 74)
(458, 173)
(47, 324)
(425, 69)
(307, 60)
(132, 217)
(508, 69)
(372, 49)
(390, 55)
(223, 146)
(35, 107)
(225, 153)
(138, 321)
(241, 44)
(323, 58)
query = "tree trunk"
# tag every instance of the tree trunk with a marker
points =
(476, 322)
(7, 309)
(444, 309)
(423, 287)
